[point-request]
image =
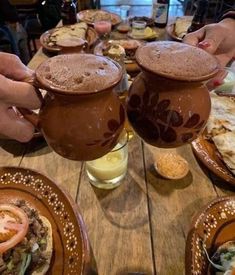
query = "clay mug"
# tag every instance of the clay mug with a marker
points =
(81, 117)
(168, 103)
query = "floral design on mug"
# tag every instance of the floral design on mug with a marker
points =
(154, 119)
(110, 137)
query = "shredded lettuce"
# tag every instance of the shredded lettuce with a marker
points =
(43, 241)
(26, 259)
(10, 265)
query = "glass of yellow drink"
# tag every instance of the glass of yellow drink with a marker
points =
(108, 171)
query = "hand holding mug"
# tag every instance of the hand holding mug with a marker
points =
(15, 92)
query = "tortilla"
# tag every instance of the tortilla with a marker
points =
(222, 117)
(68, 33)
(225, 144)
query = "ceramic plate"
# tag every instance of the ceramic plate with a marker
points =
(92, 37)
(70, 243)
(209, 156)
(171, 32)
(88, 15)
(131, 65)
(213, 226)
(147, 38)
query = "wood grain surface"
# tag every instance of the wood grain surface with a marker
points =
(141, 226)
(118, 220)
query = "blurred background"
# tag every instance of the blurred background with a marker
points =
(23, 21)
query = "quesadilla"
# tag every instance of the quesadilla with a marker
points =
(65, 34)
(222, 117)
(225, 144)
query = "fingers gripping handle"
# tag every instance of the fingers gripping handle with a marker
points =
(29, 115)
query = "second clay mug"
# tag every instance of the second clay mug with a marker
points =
(168, 102)
(81, 117)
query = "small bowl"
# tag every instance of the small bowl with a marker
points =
(171, 166)
(149, 21)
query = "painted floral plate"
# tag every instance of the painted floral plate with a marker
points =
(71, 254)
(212, 227)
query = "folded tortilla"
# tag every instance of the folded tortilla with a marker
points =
(225, 144)
(62, 34)
(222, 117)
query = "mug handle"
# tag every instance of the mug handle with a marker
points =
(29, 115)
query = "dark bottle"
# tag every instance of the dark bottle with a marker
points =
(199, 16)
(160, 12)
(68, 12)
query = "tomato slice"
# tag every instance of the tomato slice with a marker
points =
(14, 224)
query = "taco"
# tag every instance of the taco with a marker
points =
(26, 243)
(223, 260)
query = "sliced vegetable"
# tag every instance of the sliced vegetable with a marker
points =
(14, 226)
(26, 259)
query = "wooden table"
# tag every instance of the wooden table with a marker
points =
(142, 225)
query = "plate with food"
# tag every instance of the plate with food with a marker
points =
(216, 147)
(107, 48)
(179, 28)
(210, 246)
(149, 34)
(54, 39)
(41, 229)
(90, 16)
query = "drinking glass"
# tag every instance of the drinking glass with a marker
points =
(124, 12)
(124, 26)
(103, 25)
(138, 28)
(108, 171)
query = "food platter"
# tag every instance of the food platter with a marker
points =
(88, 16)
(219, 131)
(212, 227)
(149, 35)
(91, 37)
(71, 254)
(207, 153)
(130, 63)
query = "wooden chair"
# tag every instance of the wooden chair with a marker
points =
(27, 11)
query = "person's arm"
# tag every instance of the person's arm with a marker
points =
(15, 92)
(217, 39)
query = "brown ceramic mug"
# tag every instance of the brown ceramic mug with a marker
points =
(168, 103)
(81, 117)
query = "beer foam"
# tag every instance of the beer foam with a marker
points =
(78, 73)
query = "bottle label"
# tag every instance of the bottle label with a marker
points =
(161, 13)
